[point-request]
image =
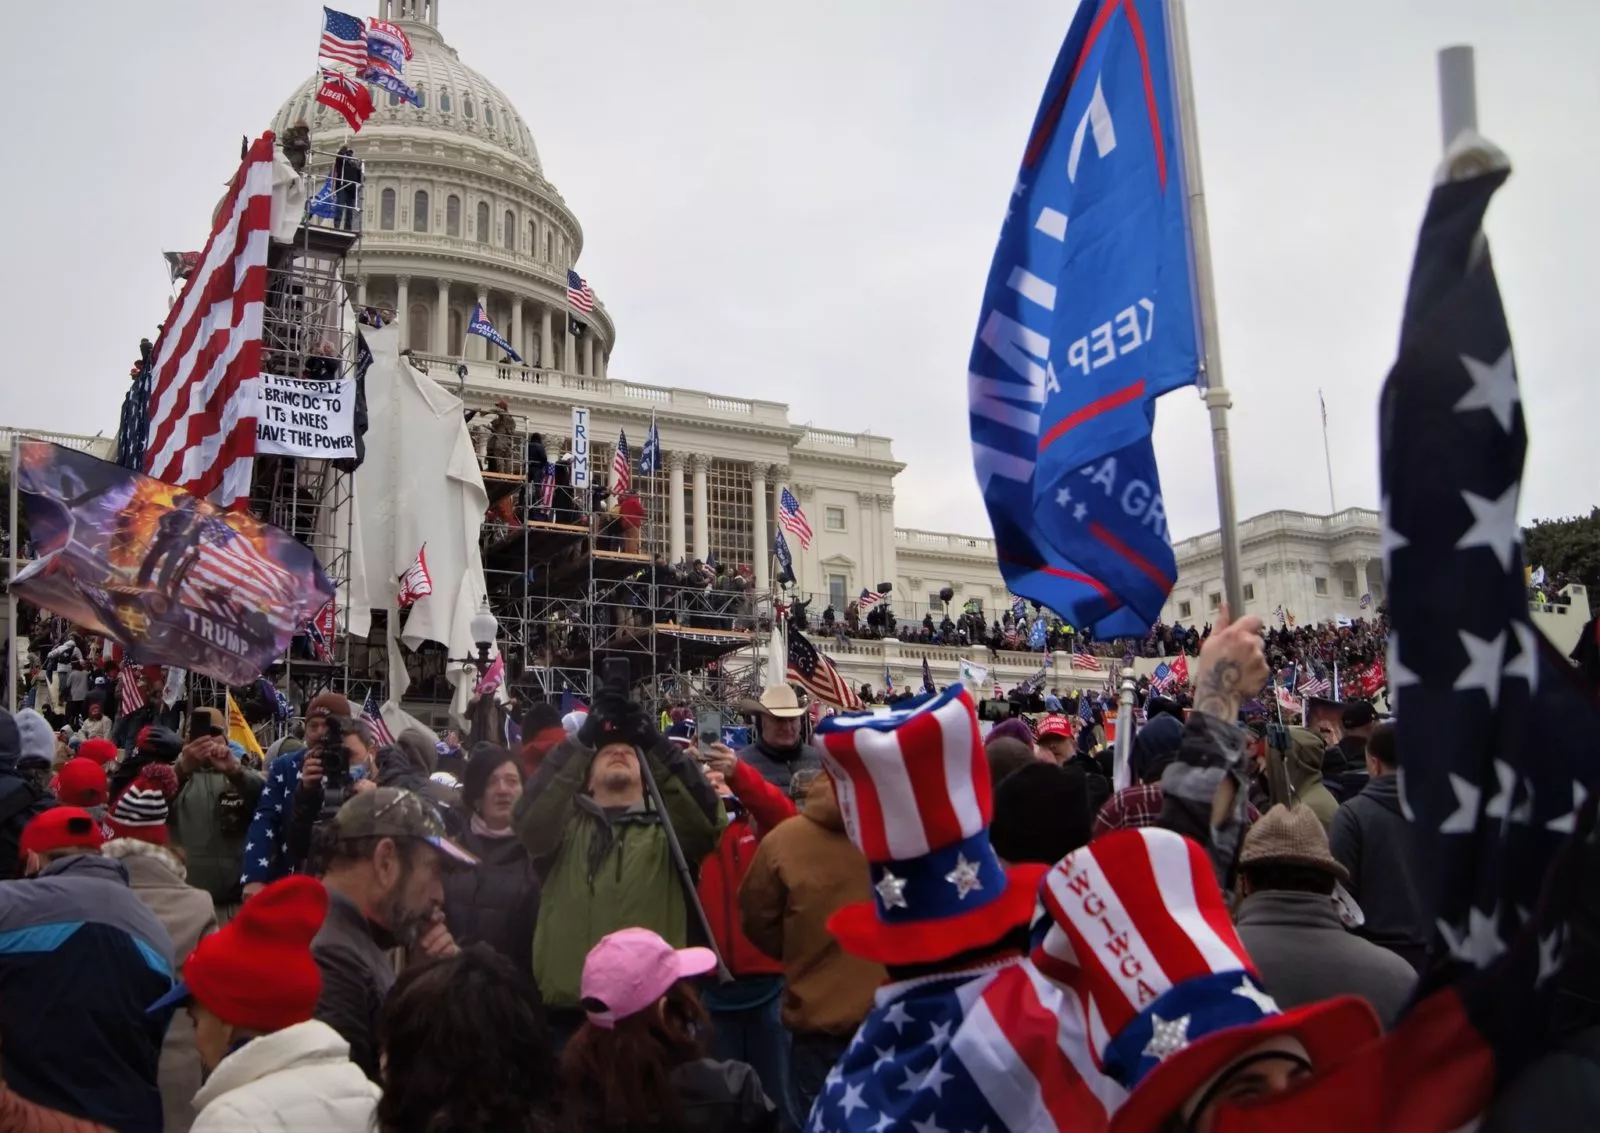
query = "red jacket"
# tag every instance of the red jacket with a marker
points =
(722, 872)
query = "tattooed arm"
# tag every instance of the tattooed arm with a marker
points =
(1232, 666)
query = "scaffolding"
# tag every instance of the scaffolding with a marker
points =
(576, 596)
(309, 331)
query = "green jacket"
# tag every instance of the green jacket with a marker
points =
(209, 819)
(602, 872)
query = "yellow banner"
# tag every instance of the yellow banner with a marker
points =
(239, 731)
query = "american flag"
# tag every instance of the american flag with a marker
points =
(230, 568)
(373, 715)
(1497, 738)
(1162, 677)
(344, 39)
(547, 493)
(867, 600)
(1085, 708)
(792, 519)
(1005, 1049)
(416, 582)
(580, 296)
(130, 698)
(621, 466)
(207, 360)
(1311, 685)
(1083, 659)
(817, 675)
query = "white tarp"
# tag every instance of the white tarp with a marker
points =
(420, 483)
(288, 198)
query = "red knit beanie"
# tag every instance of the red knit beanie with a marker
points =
(99, 750)
(256, 972)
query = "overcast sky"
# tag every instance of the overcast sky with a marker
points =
(799, 202)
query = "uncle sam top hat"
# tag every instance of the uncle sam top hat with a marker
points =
(1136, 926)
(913, 789)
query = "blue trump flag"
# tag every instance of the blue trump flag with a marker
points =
(482, 327)
(324, 204)
(1088, 316)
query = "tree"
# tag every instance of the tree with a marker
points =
(1571, 546)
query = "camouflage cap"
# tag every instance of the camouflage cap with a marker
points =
(392, 812)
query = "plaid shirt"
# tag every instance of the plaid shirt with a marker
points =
(1139, 805)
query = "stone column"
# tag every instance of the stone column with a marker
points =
(762, 552)
(402, 304)
(547, 350)
(480, 345)
(700, 463)
(675, 530)
(516, 327)
(441, 322)
(588, 353)
(600, 360)
(361, 293)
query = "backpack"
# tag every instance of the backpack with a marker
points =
(20, 800)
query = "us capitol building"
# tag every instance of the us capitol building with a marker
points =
(458, 210)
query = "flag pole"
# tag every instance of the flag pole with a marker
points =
(1216, 395)
(11, 594)
(1458, 93)
(1327, 453)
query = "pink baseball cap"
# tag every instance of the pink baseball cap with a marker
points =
(631, 969)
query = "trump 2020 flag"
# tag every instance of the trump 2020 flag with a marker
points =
(483, 328)
(1088, 316)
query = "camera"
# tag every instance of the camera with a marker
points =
(335, 760)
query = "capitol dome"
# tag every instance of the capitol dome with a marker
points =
(457, 210)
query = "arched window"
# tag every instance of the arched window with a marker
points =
(394, 99)
(417, 328)
(422, 99)
(488, 114)
(452, 215)
(444, 101)
(549, 255)
(510, 235)
(419, 211)
(386, 209)
(533, 237)
(455, 327)
(466, 105)
(483, 223)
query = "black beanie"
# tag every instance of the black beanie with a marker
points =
(1041, 814)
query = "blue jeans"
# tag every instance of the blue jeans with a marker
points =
(746, 1028)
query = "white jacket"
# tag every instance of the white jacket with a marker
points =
(297, 1079)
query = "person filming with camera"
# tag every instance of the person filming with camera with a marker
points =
(342, 764)
(603, 850)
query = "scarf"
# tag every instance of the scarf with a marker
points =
(481, 829)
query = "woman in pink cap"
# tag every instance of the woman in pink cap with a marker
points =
(639, 1061)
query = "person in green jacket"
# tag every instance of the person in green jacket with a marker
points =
(217, 796)
(600, 847)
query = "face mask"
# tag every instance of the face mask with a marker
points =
(358, 771)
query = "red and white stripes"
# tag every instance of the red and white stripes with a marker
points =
(207, 363)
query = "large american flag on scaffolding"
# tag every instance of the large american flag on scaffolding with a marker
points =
(207, 361)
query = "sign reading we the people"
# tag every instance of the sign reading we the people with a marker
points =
(300, 417)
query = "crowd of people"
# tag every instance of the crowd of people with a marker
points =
(623, 923)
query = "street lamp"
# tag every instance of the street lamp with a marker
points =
(484, 628)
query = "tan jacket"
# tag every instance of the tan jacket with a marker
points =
(804, 870)
(157, 878)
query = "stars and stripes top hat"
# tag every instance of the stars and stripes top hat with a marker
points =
(913, 788)
(1135, 925)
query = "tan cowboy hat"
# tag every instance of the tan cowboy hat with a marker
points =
(777, 701)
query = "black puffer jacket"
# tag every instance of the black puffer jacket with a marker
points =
(497, 903)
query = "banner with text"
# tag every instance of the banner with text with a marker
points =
(580, 448)
(300, 417)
